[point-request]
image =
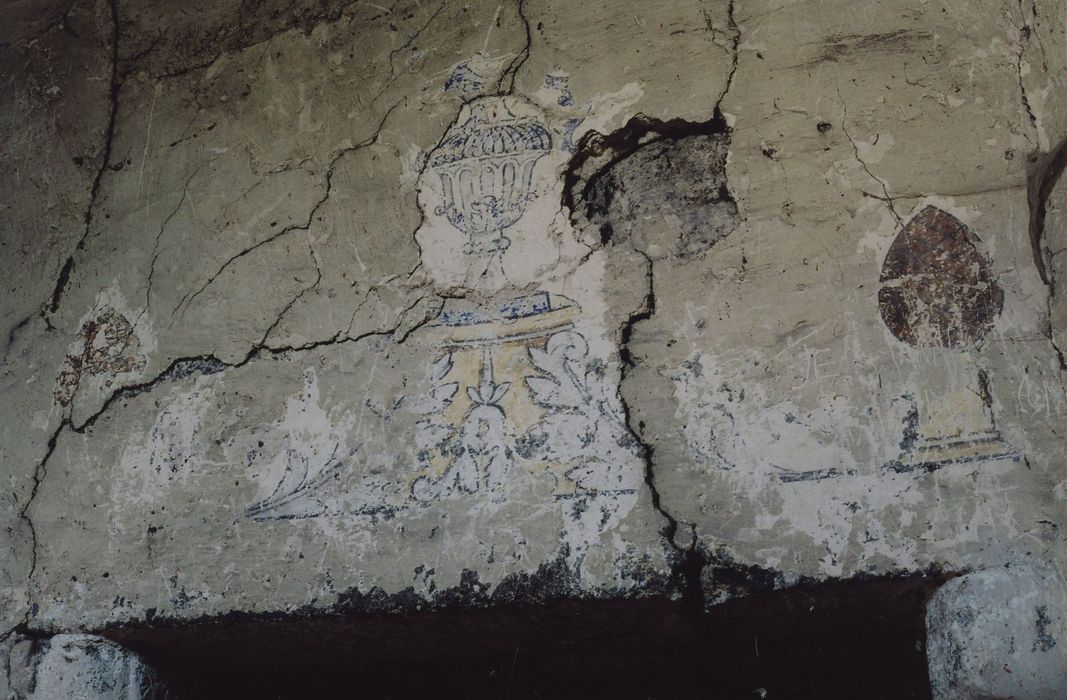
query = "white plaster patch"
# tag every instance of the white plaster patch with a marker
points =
(171, 451)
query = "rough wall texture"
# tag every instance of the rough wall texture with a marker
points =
(320, 307)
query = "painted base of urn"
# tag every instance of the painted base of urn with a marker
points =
(935, 453)
(487, 246)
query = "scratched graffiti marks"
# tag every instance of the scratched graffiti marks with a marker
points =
(937, 288)
(106, 345)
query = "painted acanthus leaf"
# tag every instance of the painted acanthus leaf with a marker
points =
(295, 495)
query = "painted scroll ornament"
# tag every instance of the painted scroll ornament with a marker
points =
(939, 293)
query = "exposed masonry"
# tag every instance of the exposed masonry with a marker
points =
(665, 187)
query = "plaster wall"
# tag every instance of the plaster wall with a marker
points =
(318, 307)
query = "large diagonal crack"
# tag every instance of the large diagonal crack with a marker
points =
(691, 560)
(117, 78)
(62, 282)
(596, 155)
(187, 300)
(105, 161)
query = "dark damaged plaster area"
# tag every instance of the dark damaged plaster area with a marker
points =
(658, 185)
(842, 639)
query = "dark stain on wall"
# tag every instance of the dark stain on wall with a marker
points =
(838, 48)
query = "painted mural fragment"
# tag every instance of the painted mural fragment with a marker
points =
(937, 287)
(106, 346)
(532, 399)
(311, 453)
(938, 293)
(294, 496)
(517, 405)
(486, 169)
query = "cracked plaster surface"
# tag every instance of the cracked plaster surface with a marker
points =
(274, 426)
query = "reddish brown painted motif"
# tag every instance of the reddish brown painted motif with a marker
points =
(106, 345)
(937, 287)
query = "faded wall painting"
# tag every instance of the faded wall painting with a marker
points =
(939, 296)
(521, 392)
(517, 398)
(486, 169)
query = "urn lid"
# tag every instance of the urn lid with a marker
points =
(477, 139)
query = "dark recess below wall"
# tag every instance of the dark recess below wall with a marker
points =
(850, 639)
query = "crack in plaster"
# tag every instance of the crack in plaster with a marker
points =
(692, 561)
(117, 79)
(392, 54)
(520, 58)
(301, 293)
(188, 299)
(159, 236)
(1024, 36)
(886, 198)
(733, 50)
(105, 161)
(692, 557)
(411, 40)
